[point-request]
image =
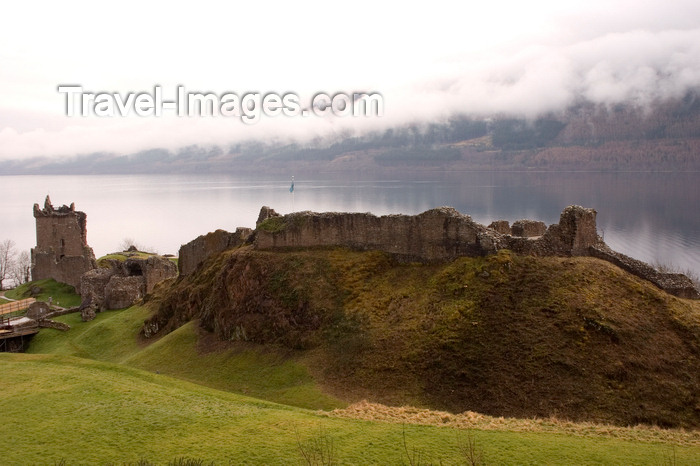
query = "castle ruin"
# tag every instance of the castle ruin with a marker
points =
(443, 234)
(437, 235)
(117, 284)
(61, 251)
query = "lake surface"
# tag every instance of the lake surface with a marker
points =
(654, 217)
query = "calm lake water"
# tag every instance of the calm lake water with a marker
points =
(650, 216)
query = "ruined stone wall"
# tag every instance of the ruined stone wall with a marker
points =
(61, 232)
(528, 228)
(156, 269)
(676, 284)
(501, 226)
(195, 252)
(444, 234)
(436, 235)
(61, 251)
(572, 236)
(119, 284)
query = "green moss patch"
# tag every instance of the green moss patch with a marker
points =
(272, 225)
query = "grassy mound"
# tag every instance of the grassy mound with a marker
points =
(505, 335)
(61, 294)
(247, 369)
(260, 372)
(59, 408)
(124, 255)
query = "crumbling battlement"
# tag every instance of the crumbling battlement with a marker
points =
(575, 233)
(61, 251)
(443, 234)
(436, 235)
(195, 252)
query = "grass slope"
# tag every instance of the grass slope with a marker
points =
(113, 337)
(505, 335)
(89, 412)
(61, 294)
(256, 372)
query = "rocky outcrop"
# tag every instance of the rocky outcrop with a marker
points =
(121, 284)
(198, 250)
(61, 251)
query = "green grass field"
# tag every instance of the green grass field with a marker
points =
(134, 402)
(90, 412)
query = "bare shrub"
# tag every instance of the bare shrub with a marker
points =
(7, 260)
(415, 456)
(317, 450)
(22, 268)
(184, 461)
(469, 451)
(128, 243)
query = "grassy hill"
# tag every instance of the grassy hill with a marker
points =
(505, 335)
(114, 337)
(183, 394)
(61, 294)
(65, 409)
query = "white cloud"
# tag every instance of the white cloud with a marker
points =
(428, 61)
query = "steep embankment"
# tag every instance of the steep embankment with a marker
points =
(507, 335)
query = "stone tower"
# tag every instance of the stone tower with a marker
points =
(61, 251)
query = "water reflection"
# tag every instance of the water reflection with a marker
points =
(650, 216)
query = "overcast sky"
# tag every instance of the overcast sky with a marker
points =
(428, 61)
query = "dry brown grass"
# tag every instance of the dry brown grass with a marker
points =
(365, 410)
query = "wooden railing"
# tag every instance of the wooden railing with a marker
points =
(15, 306)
